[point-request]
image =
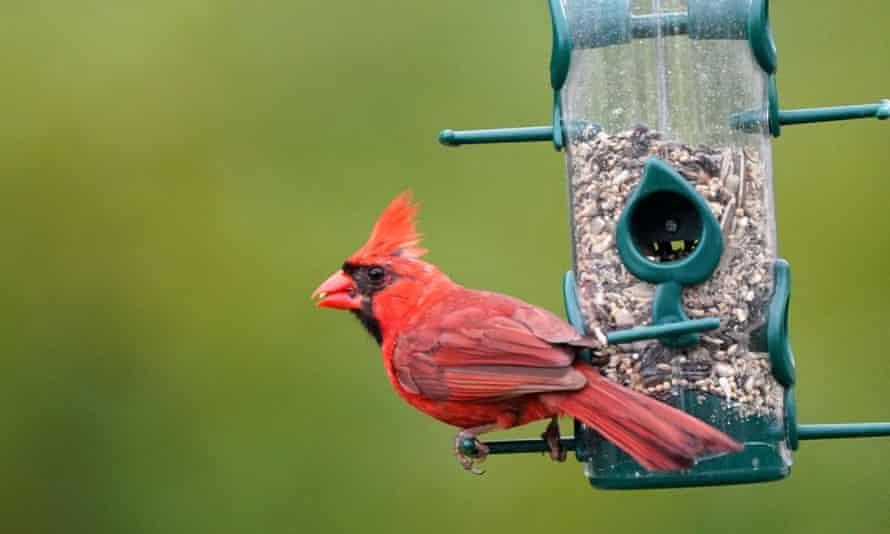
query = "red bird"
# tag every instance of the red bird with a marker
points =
(482, 361)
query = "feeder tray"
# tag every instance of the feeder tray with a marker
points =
(666, 117)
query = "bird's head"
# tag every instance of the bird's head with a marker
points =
(384, 278)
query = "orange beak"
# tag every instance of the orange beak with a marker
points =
(338, 292)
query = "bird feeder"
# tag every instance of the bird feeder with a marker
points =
(666, 111)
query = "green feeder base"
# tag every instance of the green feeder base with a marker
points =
(764, 458)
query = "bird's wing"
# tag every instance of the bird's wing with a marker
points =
(485, 346)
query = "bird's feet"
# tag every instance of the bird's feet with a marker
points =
(551, 436)
(470, 451)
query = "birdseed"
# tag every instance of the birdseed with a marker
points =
(731, 362)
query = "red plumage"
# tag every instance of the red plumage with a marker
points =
(394, 233)
(480, 360)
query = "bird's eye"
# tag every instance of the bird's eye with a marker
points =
(376, 274)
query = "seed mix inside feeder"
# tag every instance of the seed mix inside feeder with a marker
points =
(605, 170)
(666, 112)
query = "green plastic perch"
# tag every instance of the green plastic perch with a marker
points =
(496, 135)
(750, 121)
(848, 430)
(880, 111)
(679, 328)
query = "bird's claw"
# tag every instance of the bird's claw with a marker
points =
(470, 462)
(551, 436)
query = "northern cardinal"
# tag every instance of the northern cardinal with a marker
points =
(483, 361)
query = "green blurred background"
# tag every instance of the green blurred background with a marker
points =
(178, 176)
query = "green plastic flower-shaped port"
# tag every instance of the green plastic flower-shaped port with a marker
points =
(665, 210)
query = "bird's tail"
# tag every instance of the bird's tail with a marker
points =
(659, 437)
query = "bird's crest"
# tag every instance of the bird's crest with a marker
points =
(394, 233)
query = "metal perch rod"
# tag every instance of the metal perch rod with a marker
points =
(817, 431)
